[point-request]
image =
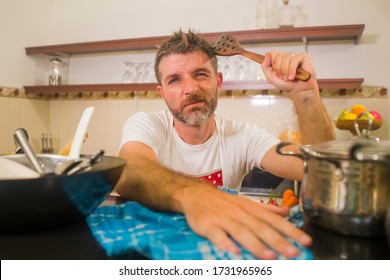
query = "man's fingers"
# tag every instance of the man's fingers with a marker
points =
(220, 239)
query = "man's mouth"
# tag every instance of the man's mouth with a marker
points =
(194, 101)
(192, 105)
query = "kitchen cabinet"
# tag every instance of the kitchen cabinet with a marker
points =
(297, 34)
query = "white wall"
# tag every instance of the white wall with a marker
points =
(43, 22)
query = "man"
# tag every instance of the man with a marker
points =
(171, 154)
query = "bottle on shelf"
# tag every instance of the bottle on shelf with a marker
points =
(300, 18)
(273, 21)
(261, 14)
(286, 15)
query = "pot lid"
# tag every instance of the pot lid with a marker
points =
(361, 149)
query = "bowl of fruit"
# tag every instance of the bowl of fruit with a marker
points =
(358, 114)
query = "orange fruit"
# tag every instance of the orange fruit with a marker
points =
(357, 109)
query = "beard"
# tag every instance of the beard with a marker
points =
(195, 116)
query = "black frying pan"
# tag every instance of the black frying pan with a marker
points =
(56, 200)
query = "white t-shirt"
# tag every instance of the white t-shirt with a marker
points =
(224, 159)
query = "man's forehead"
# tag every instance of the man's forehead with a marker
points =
(196, 56)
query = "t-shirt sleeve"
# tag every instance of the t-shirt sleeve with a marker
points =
(257, 144)
(142, 127)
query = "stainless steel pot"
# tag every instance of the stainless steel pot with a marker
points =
(387, 224)
(55, 200)
(384, 156)
(342, 190)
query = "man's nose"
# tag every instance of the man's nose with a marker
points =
(190, 86)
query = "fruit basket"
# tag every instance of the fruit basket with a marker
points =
(363, 124)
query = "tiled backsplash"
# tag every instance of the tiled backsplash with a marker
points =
(59, 113)
(364, 92)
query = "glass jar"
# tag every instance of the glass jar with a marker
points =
(55, 71)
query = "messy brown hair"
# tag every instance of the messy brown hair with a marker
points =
(181, 43)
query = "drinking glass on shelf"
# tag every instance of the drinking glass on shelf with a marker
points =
(242, 69)
(140, 72)
(146, 73)
(259, 74)
(224, 67)
(130, 74)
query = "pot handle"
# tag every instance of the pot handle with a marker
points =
(377, 155)
(281, 145)
(364, 133)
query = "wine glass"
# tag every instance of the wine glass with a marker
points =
(225, 69)
(259, 74)
(146, 72)
(241, 69)
(129, 75)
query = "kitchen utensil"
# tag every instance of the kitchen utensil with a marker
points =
(65, 150)
(341, 193)
(61, 168)
(20, 138)
(228, 45)
(53, 201)
(64, 167)
(47, 143)
(43, 143)
(10, 169)
(73, 166)
(85, 164)
(80, 133)
(18, 149)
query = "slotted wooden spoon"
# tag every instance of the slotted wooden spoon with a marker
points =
(228, 45)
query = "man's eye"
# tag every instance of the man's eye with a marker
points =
(171, 81)
(201, 74)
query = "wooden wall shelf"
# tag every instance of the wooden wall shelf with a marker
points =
(296, 34)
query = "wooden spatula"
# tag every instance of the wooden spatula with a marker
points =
(228, 45)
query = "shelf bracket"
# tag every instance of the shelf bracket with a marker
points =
(305, 43)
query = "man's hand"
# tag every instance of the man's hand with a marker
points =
(280, 70)
(223, 218)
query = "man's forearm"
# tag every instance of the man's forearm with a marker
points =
(146, 181)
(315, 124)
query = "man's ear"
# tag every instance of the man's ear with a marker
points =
(220, 79)
(159, 90)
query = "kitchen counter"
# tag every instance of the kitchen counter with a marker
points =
(76, 242)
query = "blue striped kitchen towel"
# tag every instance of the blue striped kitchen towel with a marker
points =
(129, 228)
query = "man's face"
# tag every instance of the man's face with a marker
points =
(189, 87)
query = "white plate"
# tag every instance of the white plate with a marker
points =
(10, 169)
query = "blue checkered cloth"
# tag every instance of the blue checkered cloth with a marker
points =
(130, 227)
